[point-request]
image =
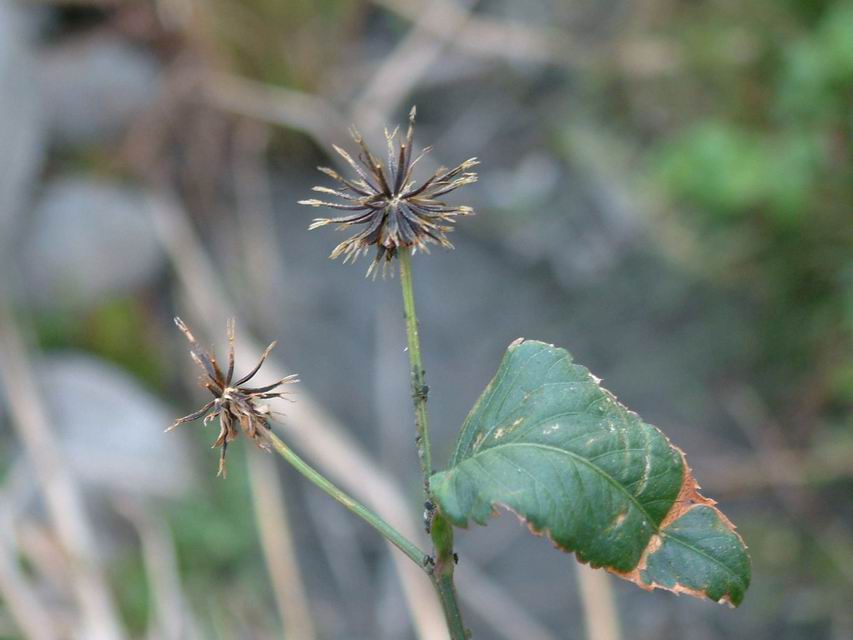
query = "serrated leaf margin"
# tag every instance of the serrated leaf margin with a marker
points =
(688, 498)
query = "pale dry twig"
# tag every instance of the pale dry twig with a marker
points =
(282, 561)
(62, 494)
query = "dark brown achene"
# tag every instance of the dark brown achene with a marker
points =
(394, 212)
(233, 402)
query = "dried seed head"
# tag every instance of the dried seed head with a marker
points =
(234, 403)
(393, 211)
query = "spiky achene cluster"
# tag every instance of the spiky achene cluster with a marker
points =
(233, 403)
(393, 211)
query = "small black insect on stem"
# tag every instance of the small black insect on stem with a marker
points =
(429, 513)
(429, 563)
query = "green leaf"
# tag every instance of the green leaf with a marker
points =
(548, 443)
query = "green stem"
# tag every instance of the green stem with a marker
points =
(441, 532)
(419, 388)
(452, 614)
(386, 530)
(440, 528)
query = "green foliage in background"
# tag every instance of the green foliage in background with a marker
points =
(765, 166)
(216, 542)
(133, 593)
(215, 533)
(116, 330)
(289, 43)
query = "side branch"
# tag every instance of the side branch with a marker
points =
(393, 536)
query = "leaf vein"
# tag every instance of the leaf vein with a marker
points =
(700, 552)
(631, 497)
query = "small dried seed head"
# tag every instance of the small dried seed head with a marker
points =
(392, 210)
(234, 403)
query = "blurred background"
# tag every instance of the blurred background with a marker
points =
(666, 191)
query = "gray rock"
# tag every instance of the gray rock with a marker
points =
(89, 239)
(94, 88)
(111, 429)
(21, 132)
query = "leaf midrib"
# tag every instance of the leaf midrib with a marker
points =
(631, 497)
(684, 543)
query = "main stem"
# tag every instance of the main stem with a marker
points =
(386, 530)
(419, 387)
(440, 528)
